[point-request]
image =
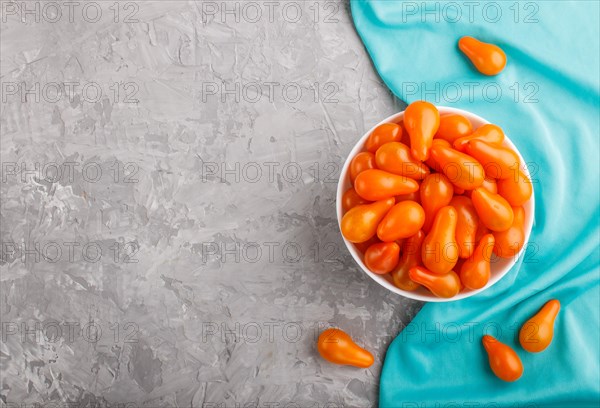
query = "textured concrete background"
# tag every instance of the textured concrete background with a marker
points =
(168, 187)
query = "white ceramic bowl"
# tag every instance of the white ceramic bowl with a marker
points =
(499, 266)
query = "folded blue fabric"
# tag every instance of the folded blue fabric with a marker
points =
(547, 101)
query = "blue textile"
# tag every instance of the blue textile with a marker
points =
(547, 102)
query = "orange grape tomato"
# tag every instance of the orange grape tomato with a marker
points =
(461, 169)
(396, 158)
(509, 242)
(337, 347)
(361, 162)
(493, 210)
(504, 362)
(421, 120)
(436, 191)
(351, 199)
(376, 185)
(430, 162)
(382, 134)
(475, 271)
(405, 136)
(537, 332)
(400, 242)
(481, 231)
(516, 189)
(444, 286)
(499, 162)
(404, 220)
(414, 196)
(383, 257)
(458, 266)
(363, 246)
(488, 133)
(453, 126)
(359, 224)
(489, 184)
(466, 225)
(440, 250)
(411, 257)
(489, 59)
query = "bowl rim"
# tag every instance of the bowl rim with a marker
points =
(421, 295)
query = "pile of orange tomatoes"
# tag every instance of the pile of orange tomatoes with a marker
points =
(432, 198)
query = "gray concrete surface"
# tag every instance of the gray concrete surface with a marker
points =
(168, 229)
